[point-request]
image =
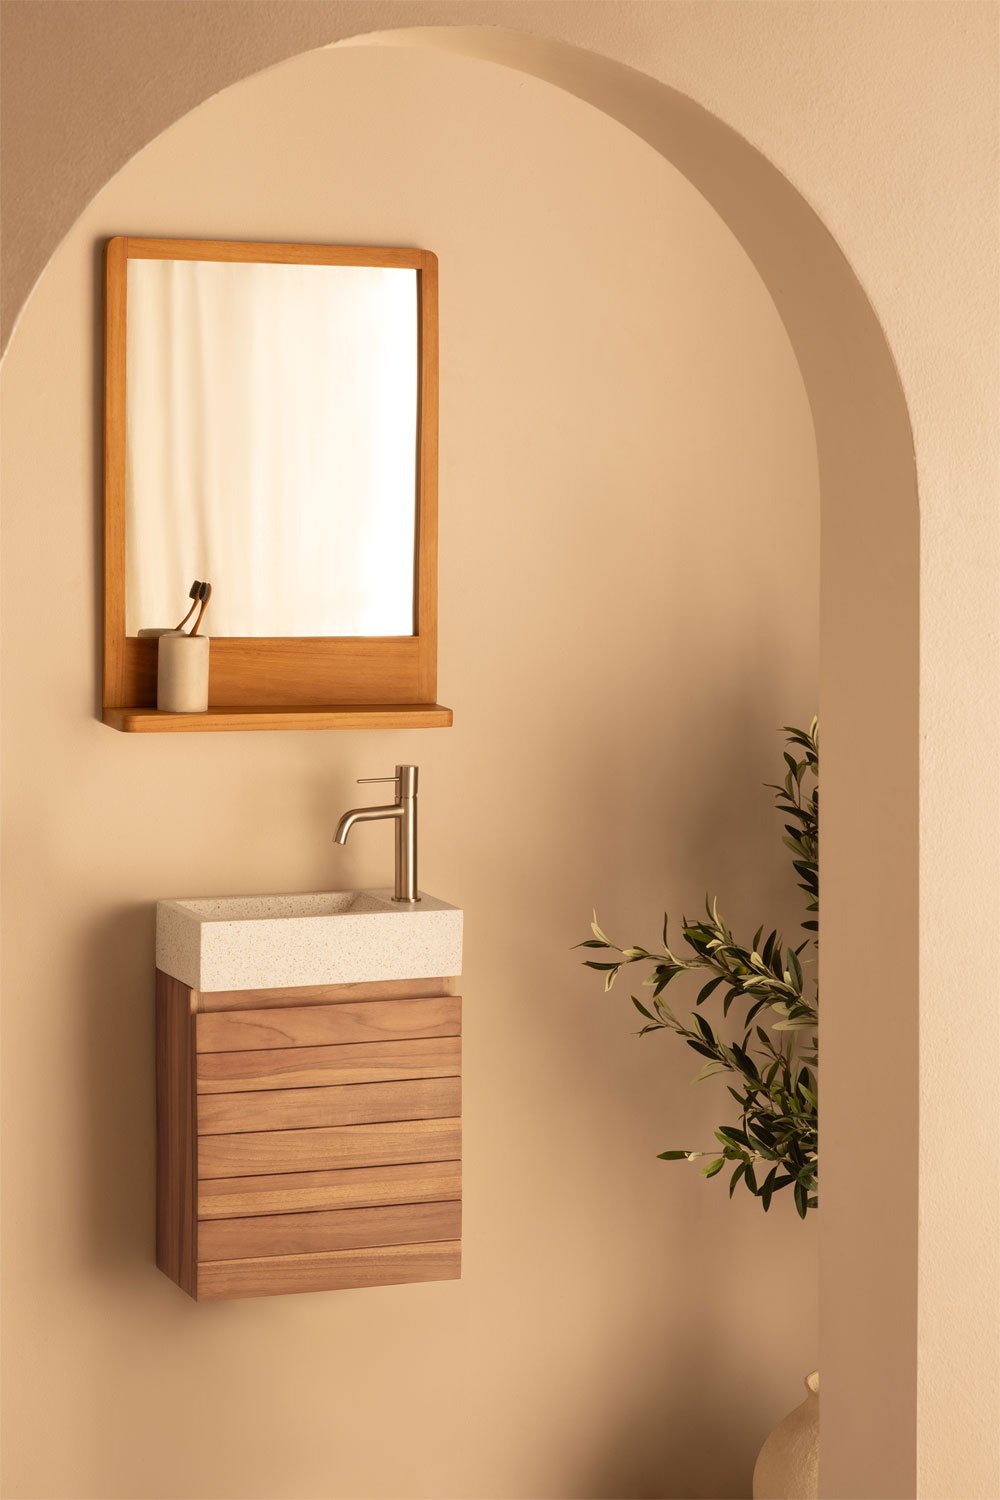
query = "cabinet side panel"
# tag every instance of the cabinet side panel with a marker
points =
(176, 1223)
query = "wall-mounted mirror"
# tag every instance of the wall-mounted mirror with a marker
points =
(271, 426)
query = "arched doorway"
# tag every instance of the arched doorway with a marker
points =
(869, 684)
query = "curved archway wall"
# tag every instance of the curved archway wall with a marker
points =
(626, 434)
(890, 68)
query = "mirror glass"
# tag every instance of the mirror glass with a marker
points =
(271, 446)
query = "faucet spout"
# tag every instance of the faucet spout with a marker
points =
(364, 815)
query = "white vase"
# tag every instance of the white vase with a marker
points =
(787, 1466)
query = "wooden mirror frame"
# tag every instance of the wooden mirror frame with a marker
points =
(276, 682)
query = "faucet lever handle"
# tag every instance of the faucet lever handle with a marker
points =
(369, 780)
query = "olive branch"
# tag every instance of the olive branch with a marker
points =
(772, 1060)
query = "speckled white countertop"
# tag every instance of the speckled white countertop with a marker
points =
(332, 937)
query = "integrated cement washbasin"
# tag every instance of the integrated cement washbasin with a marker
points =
(325, 937)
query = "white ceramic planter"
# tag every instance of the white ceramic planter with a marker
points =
(787, 1466)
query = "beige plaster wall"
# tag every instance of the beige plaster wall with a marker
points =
(884, 115)
(625, 433)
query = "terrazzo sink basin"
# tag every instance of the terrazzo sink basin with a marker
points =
(330, 937)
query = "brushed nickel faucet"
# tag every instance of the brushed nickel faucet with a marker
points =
(404, 812)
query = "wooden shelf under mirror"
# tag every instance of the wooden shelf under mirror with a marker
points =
(220, 720)
(204, 467)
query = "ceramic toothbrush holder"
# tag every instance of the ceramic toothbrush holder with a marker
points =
(182, 673)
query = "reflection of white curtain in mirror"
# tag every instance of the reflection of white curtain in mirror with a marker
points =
(271, 446)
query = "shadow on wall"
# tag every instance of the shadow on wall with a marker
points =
(118, 1124)
(870, 676)
(634, 1456)
(117, 1049)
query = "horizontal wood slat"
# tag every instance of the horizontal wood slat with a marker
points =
(256, 1152)
(310, 1067)
(354, 1187)
(326, 1025)
(323, 994)
(345, 1104)
(334, 1270)
(343, 1229)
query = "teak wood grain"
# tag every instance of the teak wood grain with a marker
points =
(276, 683)
(176, 1103)
(258, 672)
(251, 1152)
(315, 1067)
(224, 720)
(326, 1025)
(248, 674)
(342, 1229)
(115, 345)
(304, 1167)
(278, 252)
(343, 1104)
(323, 994)
(333, 1270)
(353, 1187)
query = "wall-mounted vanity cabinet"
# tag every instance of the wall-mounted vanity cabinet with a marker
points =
(308, 1135)
(271, 415)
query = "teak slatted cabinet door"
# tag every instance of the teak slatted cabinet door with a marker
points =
(310, 1141)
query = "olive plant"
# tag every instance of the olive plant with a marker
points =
(766, 1043)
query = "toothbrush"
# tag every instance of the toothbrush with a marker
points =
(195, 594)
(204, 594)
